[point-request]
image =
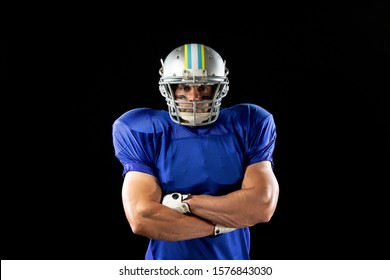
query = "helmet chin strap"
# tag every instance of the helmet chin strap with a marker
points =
(194, 119)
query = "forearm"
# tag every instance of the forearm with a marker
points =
(244, 207)
(159, 222)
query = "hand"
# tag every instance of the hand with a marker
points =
(176, 202)
(218, 229)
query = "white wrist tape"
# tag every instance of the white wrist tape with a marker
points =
(176, 202)
(218, 229)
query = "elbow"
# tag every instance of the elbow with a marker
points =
(262, 216)
(265, 212)
(266, 216)
(138, 227)
(137, 219)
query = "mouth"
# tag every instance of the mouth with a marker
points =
(194, 119)
(191, 111)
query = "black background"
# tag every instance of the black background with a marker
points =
(322, 73)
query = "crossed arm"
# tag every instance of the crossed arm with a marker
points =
(254, 203)
(141, 196)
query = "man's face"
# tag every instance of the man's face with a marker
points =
(192, 93)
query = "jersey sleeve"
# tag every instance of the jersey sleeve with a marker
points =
(133, 147)
(261, 136)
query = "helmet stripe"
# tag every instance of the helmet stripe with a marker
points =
(187, 60)
(201, 56)
(194, 56)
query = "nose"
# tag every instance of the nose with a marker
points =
(193, 94)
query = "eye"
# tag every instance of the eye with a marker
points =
(182, 87)
(186, 88)
(202, 89)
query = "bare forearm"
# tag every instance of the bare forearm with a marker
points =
(159, 222)
(241, 208)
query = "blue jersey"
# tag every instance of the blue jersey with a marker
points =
(198, 160)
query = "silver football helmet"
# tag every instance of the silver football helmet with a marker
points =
(194, 65)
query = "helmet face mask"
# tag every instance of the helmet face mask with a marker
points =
(193, 65)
